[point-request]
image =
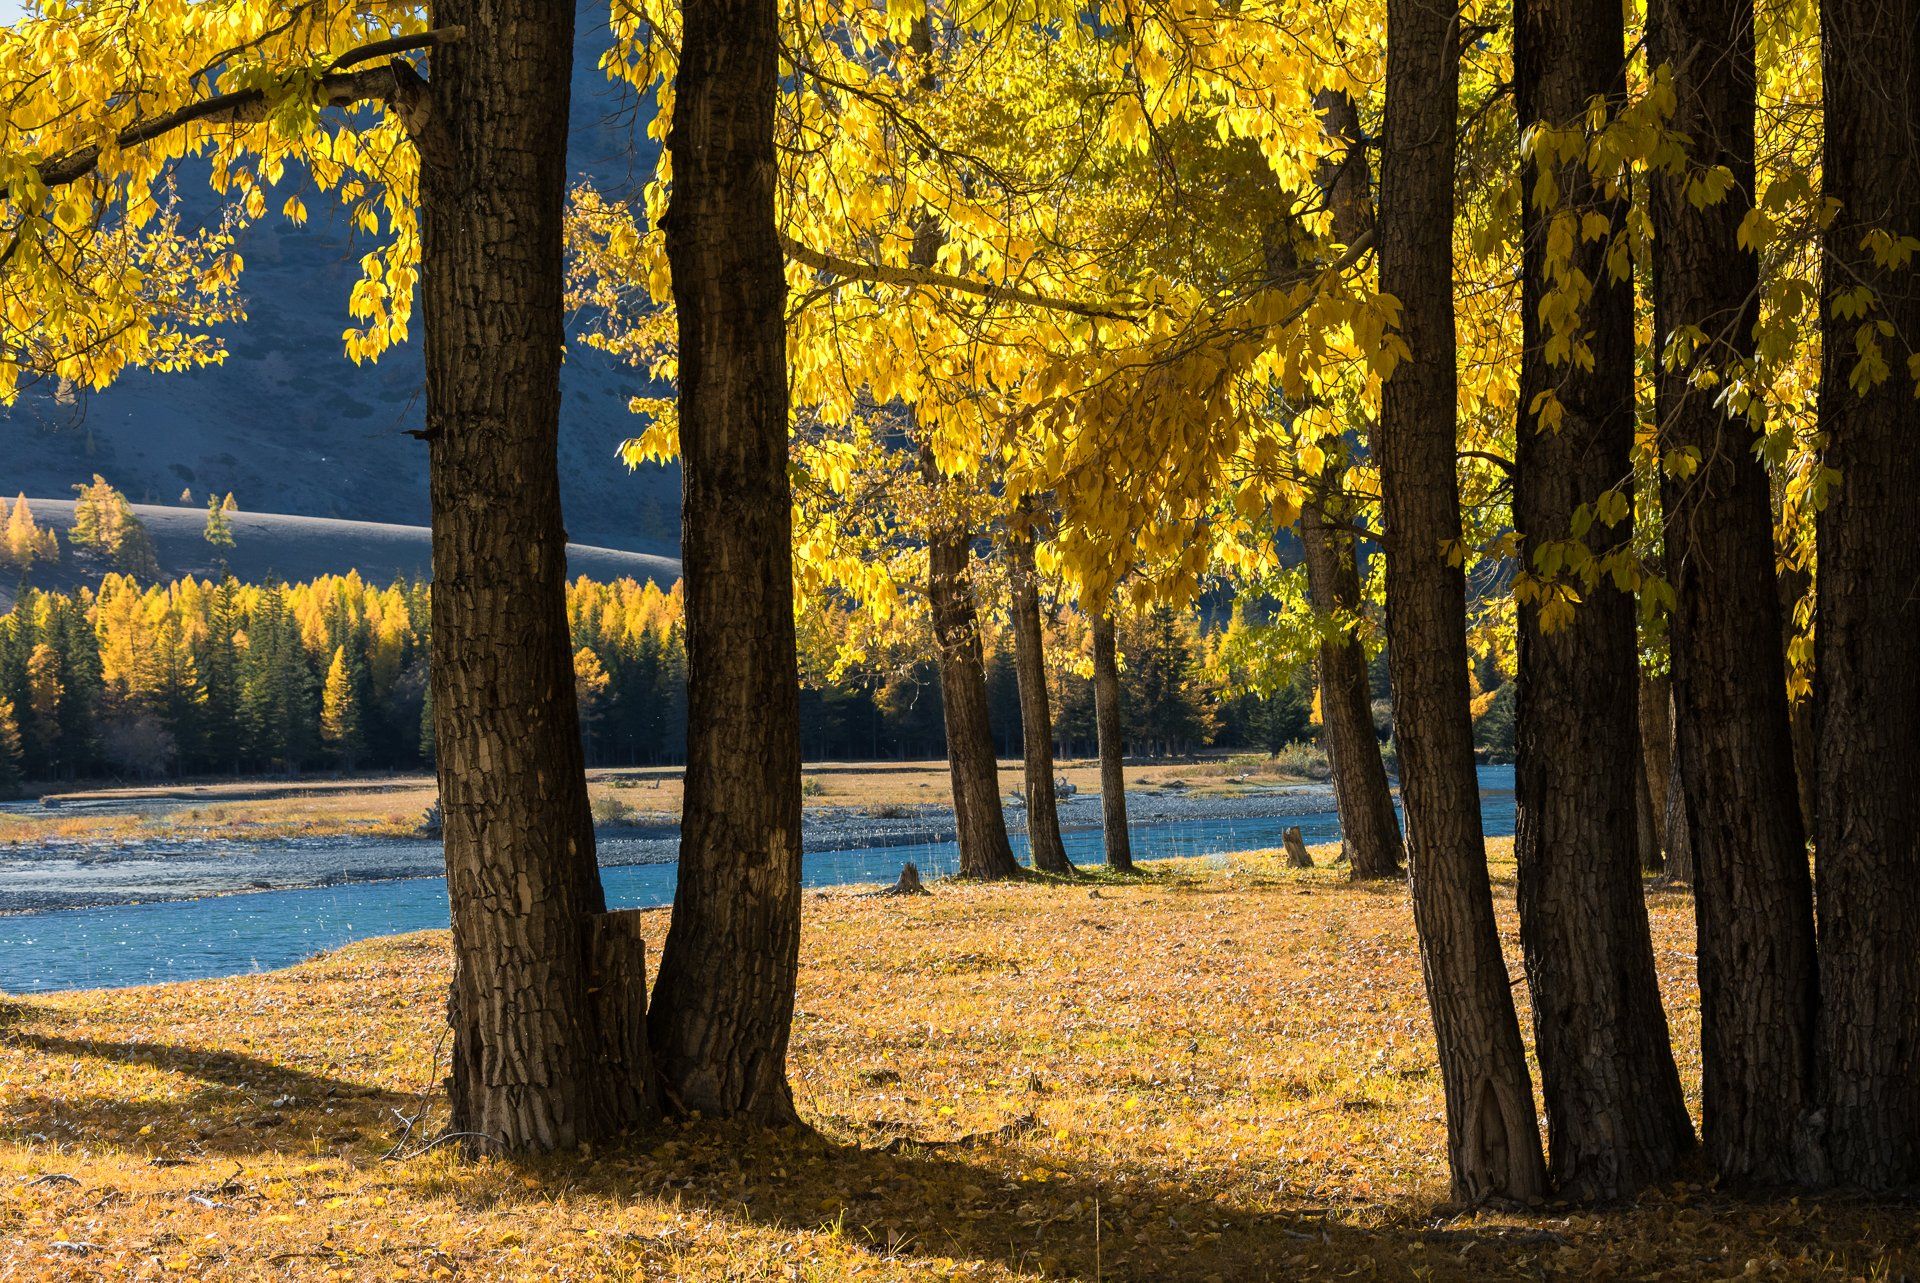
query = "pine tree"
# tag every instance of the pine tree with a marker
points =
(340, 710)
(26, 540)
(219, 531)
(45, 693)
(10, 754)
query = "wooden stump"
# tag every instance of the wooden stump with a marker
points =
(1296, 848)
(617, 966)
(909, 883)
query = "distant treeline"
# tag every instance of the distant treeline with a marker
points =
(196, 677)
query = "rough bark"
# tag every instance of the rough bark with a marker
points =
(1036, 713)
(1108, 724)
(521, 874)
(1867, 695)
(1616, 1118)
(1679, 826)
(723, 1006)
(1752, 891)
(979, 823)
(1369, 826)
(1646, 820)
(1493, 1142)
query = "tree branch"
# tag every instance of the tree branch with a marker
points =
(884, 274)
(394, 83)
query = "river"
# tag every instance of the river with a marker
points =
(221, 935)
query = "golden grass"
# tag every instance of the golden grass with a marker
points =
(1219, 1071)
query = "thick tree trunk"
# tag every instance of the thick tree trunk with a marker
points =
(1752, 892)
(1493, 1141)
(1616, 1118)
(528, 1068)
(1113, 744)
(979, 823)
(1369, 825)
(723, 1006)
(1868, 642)
(1036, 713)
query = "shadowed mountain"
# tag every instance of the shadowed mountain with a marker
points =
(289, 424)
(270, 545)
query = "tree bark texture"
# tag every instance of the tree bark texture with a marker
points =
(723, 1006)
(1679, 827)
(1369, 826)
(1616, 1118)
(1867, 696)
(1492, 1139)
(1036, 714)
(1656, 754)
(1752, 891)
(979, 823)
(521, 873)
(1109, 726)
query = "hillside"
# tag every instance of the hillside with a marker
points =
(271, 545)
(288, 424)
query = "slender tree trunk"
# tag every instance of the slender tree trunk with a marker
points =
(1113, 744)
(723, 1007)
(1493, 1140)
(1646, 820)
(1369, 826)
(529, 1068)
(1795, 583)
(1036, 715)
(1656, 757)
(1752, 892)
(1868, 641)
(978, 821)
(1616, 1118)
(1679, 826)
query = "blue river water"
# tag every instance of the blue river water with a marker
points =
(135, 944)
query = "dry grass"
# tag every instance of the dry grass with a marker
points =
(1222, 1071)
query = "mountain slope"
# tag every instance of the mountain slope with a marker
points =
(289, 425)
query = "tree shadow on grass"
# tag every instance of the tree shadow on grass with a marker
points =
(239, 1105)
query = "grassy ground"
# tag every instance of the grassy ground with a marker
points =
(1222, 1071)
(392, 806)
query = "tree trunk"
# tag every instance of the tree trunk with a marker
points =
(723, 1006)
(1492, 1137)
(1752, 892)
(1616, 1118)
(1868, 641)
(1369, 826)
(1036, 716)
(1646, 820)
(1656, 757)
(1678, 827)
(1113, 740)
(521, 875)
(980, 825)
(1795, 583)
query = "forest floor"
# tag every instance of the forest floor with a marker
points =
(1221, 1070)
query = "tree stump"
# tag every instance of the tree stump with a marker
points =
(909, 883)
(617, 974)
(1296, 848)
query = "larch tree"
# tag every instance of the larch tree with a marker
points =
(1753, 894)
(1616, 1118)
(1867, 684)
(1492, 1138)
